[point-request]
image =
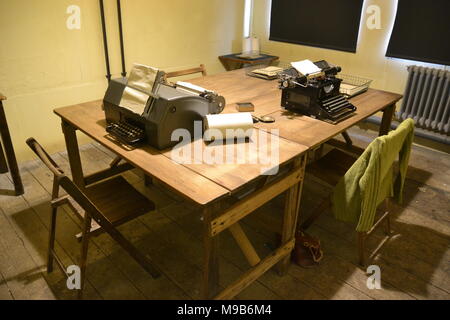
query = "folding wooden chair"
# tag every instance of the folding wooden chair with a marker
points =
(108, 204)
(330, 169)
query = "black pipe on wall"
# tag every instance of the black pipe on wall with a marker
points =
(105, 41)
(122, 50)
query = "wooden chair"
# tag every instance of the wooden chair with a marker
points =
(330, 169)
(201, 69)
(8, 162)
(107, 204)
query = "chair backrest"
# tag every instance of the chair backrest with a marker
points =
(370, 179)
(397, 145)
(45, 157)
(201, 69)
(60, 178)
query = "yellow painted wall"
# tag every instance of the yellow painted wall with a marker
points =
(369, 61)
(44, 65)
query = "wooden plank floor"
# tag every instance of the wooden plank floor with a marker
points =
(415, 263)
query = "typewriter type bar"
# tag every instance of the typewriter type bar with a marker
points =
(337, 108)
(126, 132)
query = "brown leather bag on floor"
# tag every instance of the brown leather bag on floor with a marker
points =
(307, 252)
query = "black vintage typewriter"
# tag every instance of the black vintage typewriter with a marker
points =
(315, 95)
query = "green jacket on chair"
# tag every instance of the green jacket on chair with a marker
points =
(371, 179)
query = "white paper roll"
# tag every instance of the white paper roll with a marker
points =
(227, 126)
(246, 45)
(250, 45)
(255, 45)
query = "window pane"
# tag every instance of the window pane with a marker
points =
(318, 23)
(421, 31)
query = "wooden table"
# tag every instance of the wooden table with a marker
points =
(232, 61)
(8, 161)
(217, 188)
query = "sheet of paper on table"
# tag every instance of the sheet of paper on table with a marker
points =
(305, 67)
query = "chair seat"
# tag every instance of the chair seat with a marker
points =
(118, 200)
(331, 167)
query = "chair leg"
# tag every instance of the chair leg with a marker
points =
(388, 225)
(388, 217)
(318, 153)
(51, 241)
(84, 251)
(361, 248)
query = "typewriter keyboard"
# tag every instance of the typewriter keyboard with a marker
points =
(126, 132)
(338, 108)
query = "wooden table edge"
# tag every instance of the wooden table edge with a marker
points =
(249, 61)
(224, 194)
(386, 105)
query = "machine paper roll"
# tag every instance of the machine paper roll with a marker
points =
(227, 126)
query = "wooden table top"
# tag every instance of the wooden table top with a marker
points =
(203, 182)
(200, 182)
(236, 86)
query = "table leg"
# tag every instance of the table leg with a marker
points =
(10, 155)
(388, 114)
(148, 181)
(210, 284)
(73, 152)
(3, 164)
(291, 210)
(225, 64)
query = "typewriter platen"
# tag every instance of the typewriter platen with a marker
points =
(315, 94)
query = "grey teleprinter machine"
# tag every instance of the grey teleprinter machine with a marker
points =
(169, 107)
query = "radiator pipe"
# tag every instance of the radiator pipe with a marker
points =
(426, 134)
(122, 50)
(105, 41)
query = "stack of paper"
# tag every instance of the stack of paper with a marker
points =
(268, 73)
(306, 67)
